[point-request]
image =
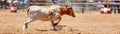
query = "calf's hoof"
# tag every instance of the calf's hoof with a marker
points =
(25, 28)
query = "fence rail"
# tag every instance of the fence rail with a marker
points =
(83, 6)
(82, 3)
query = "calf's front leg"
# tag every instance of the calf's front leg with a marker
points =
(58, 21)
(55, 24)
(52, 22)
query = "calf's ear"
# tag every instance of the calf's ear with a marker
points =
(66, 6)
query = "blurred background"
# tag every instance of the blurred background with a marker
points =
(79, 6)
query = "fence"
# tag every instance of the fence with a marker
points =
(83, 7)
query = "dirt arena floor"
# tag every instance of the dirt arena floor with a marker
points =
(88, 23)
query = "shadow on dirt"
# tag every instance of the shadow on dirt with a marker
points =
(40, 30)
(58, 27)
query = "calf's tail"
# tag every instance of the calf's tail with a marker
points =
(28, 12)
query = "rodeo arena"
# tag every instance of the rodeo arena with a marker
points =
(59, 16)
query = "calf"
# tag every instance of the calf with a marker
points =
(47, 13)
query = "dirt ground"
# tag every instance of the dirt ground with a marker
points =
(88, 23)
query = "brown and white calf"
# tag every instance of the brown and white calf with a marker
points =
(47, 13)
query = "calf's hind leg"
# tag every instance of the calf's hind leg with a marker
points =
(25, 26)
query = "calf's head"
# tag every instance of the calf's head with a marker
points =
(68, 11)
